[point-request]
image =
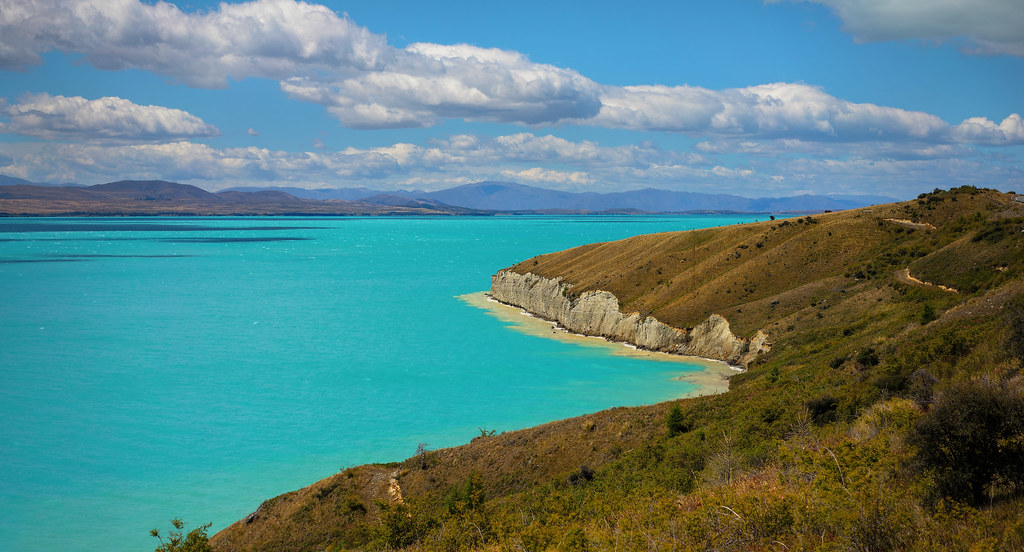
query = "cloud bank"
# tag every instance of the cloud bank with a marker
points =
(548, 161)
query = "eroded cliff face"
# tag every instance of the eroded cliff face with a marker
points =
(597, 313)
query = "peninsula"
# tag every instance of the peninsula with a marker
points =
(887, 413)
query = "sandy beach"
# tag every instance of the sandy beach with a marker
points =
(710, 376)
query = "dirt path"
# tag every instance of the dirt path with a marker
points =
(911, 224)
(905, 277)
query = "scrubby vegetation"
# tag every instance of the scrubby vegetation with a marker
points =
(177, 540)
(889, 414)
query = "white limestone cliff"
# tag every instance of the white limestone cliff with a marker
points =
(597, 313)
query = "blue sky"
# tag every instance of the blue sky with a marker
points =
(878, 97)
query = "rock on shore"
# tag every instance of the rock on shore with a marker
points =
(597, 313)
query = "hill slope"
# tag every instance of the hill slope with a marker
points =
(889, 414)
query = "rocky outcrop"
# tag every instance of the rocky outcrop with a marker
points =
(597, 313)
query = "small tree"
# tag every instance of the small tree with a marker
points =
(421, 452)
(676, 421)
(177, 541)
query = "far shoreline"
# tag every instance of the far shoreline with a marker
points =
(712, 378)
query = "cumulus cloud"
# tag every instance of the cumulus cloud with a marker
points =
(787, 111)
(994, 26)
(539, 174)
(770, 110)
(264, 38)
(428, 82)
(252, 132)
(108, 119)
(980, 130)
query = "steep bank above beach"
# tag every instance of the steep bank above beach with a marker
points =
(597, 313)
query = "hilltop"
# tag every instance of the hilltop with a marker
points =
(888, 414)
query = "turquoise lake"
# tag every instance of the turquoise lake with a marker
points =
(193, 367)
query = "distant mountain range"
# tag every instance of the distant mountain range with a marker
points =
(18, 196)
(157, 197)
(508, 196)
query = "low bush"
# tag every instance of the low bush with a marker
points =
(972, 439)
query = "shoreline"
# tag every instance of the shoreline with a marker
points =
(711, 379)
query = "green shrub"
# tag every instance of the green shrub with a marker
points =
(868, 357)
(972, 438)
(927, 314)
(582, 476)
(401, 525)
(823, 409)
(177, 541)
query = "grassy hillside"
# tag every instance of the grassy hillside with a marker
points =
(889, 414)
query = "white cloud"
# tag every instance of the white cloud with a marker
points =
(790, 112)
(980, 130)
(107, 119)
(719, 170)
(995, 26)
(429, 82)
(276, 39)
(778, 110)
(539, 174)
(252, 132)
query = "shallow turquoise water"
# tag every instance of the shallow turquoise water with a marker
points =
(162, 367)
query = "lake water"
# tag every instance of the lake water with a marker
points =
(194, 367)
